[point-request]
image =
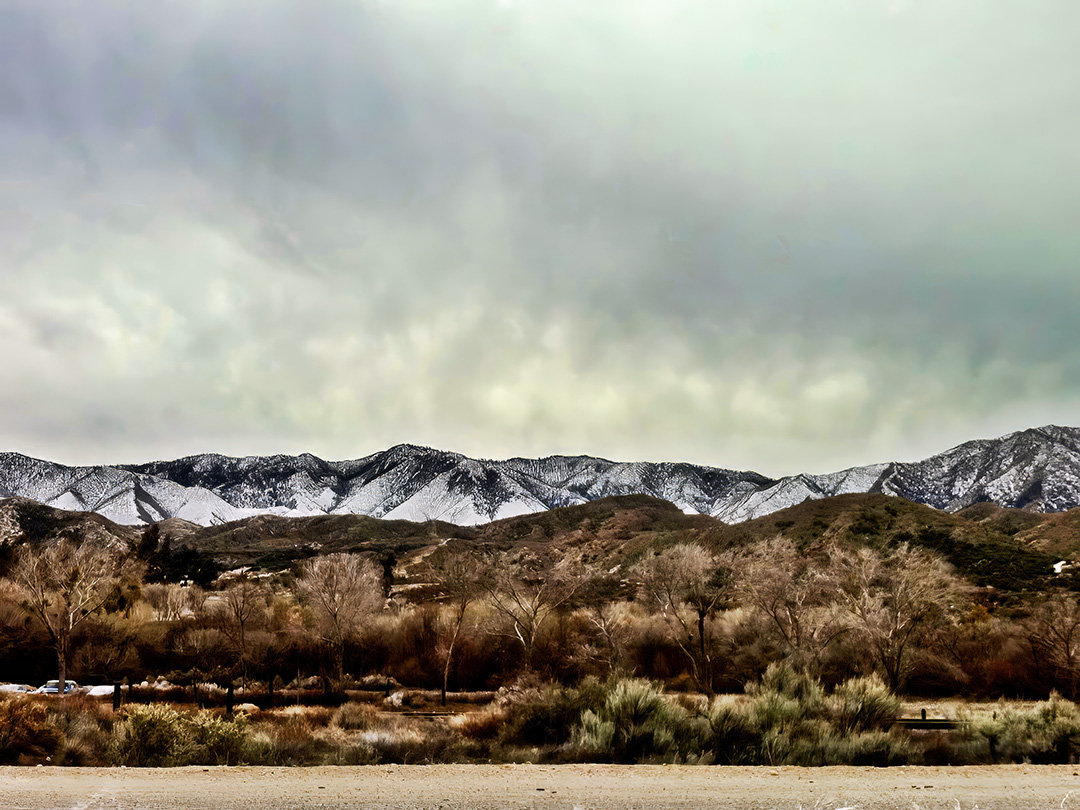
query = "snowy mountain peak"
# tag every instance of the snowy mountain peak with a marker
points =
(1037, 469)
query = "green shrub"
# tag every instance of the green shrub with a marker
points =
(215, 740)
(862, 704)
(354, 754)
(772, 711)
(150, 736)
(595, 735)
(872, 748)
(259, 749)
(157, 735)
(786, 702)
(959, 747)
(637, 723)
(286, 737)
(270, 746)
(1047, 733)
(788, 720)
(552, 716)
(734, 737)
(26, 734)
(790, 683)
(1058, 728)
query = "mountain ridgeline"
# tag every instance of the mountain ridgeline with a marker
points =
(1037, 470)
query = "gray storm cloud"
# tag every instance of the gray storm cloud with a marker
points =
(774, 235)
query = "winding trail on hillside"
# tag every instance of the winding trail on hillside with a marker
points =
(535, 787)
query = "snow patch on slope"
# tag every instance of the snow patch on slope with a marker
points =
(1036, 469)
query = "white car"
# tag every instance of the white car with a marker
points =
(53, 688)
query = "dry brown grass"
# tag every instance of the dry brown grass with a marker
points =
(480, 725)
(951, 708)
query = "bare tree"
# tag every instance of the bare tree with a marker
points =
(460, 577)
(795, 593)
(687, 585)
(13, 621)
(527, 589)
(169, 601)
(240, 605)
(340, 589)
(63, 583)
(888, 598)
(197, 649)
(612, 622)
(1053, 632)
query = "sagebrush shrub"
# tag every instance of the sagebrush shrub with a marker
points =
(551, 716)
(734, 736)
(786, 702)
(157, 735)
(873, 748)
(270, 746)
(787, 719)
(1047, 733)
(354, 716)
(150, 736)
(84, 726)
(25, 731)
(862, 704)
(796, 685)
(215, 740)
(637, 722)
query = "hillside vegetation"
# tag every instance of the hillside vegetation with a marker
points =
(837, 588)
(1007, 549)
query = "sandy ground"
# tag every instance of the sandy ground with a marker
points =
(568, 787)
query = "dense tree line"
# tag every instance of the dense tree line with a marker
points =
(471, 616)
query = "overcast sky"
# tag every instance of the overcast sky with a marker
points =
(767, 234)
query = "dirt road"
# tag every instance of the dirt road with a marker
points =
(533, 787)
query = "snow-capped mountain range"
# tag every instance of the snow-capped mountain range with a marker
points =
(1036, 469)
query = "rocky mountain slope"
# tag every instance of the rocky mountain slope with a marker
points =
(22, 518)
(1036, 469)
(1010, 550)
(404, 482)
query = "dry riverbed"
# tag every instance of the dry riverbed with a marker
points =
(566, 787)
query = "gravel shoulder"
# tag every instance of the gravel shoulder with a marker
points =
(565, 787)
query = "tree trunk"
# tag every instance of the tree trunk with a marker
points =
(525, 636)
(63, 645)
(446, 666)
(706, 662)
(339, 662)
(893, 665)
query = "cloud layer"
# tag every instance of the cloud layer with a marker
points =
(775, 235)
